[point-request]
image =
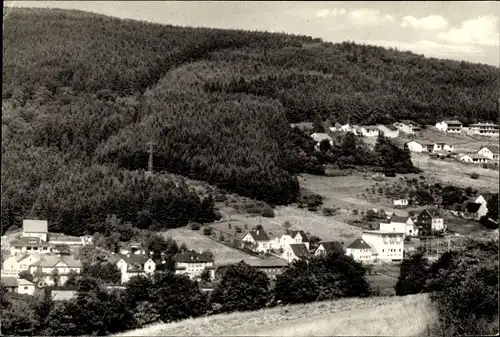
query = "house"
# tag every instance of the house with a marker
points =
(370, 131)
(407, 126)
(258, 240)
(319, 137)
(17, 263)
(420, 146)
(60, 265)
(20, 286)
(450, 126)
(327, 247)
(35, 229)
(192, 264)
(442, 146)
(474, 158)
(30, 245)
(131, 265)
(131, 247)
(390, 131)
(467, 210)
(297, 236)
(483, 200)
(296, 251)
(387, 246)
(345, 128)
(271, 267)
(400, 224)
(489, 151)
(25, 287)
(483, 129)
(361, 251)
(400, 202)
(431, 221)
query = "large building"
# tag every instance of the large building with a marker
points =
(388, 245)
(483, 129)
(192, 264)
(448, 126)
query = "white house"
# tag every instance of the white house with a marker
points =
(319, 137)
(131, 248)
(325, 248)
(408, 127)
(19, 286)
(442, 146)
(490, 151)
(389, 246)
(400, 224)
(51, 264)
(400, 202)
(483, 129)
(370, 131)
(295, 251)
(361, 251)
(297, 236)
(35, 229)
(134, 265)
(344, 128)
(474, 158)
(17, 263)
(390, 131)
(258, 239)
(483, 200)
(431, 220)
(420, 146)
(192, 264)
(30, 245)
(450, 126)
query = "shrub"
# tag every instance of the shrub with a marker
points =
(267, 212)
(237, 229)
(474, 175)
(195, 226)
(207, 231)
(328, 211)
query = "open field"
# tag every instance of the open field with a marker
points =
(375, 316)
(196, 240)
(461, 142)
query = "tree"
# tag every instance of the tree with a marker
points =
(414, 272)
(41, 309)
(287, 225)
(242, 288)
(205, 275)
(492, 205)
(107, 272)
(18, 320)
(26, 275)
(314, 241)
(63, 249)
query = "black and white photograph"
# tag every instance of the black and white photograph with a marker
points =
(250, 168)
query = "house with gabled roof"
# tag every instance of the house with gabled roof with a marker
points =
(296, 251)
(327, 247)
(19, 286)
(450, 126)
(397, 223)
(431, 220)
(192, 264)
(474, 158)
(35, 229)
(17, 263)
(361, 251)
(257, 239)
(131, 265)
(489, 151)
(408, 126)
(294, 236)
(52, 264)
(370, 131)
(30, 245)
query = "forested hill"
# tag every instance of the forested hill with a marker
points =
(84, 93)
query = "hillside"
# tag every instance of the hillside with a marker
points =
(379, 316)
(83, 94)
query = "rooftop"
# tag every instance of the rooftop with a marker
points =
(266, 263)
(331, 245)
(192, 256)
(492, 148)
(259, 235)
(379, 232)
(293, 234)
(452, 122)
(300, 250)
(320, 136)
(9, 281)
(29, 242)
(51, 260)
(359, 243)
(475, 156)
(397, 218)
(35, 226)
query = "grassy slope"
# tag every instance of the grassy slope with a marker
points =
(376, 316)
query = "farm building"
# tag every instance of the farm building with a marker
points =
(448, 126)
(407, 126)
(474, 158)
(490, 151)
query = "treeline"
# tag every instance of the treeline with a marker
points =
(462, 283)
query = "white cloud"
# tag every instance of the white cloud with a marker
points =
(327, 12)
(482, 31)
(369, 17)
(431, 22)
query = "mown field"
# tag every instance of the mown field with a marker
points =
(376, 316)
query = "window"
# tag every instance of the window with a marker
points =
(25, 288)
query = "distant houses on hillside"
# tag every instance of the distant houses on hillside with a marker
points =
(419, 146)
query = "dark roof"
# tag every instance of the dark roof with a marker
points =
(266, 263)
(390, 127)
(487, 195)
(29, 242)
(331, 245)
(9, 281)
(359, 243)
(472, 207)
(50, 260)
(192, 256)
(293, 234)
(453, 122)
(492, 148)
(300, 250)
(259, 235)
(397, 218)
(408, 122)
(130, 259)
(434, 213)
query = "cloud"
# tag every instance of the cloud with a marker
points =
(327, 12)
(369, 17)
(481, 31)
(431, 22)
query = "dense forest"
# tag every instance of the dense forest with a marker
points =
(83, 94)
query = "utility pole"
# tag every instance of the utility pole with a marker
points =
(150, 161)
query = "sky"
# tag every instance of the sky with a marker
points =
(461, 30)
